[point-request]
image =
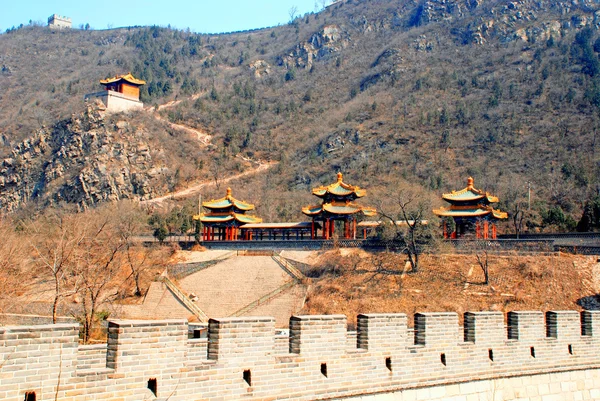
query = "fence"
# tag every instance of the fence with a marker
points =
(534, 243)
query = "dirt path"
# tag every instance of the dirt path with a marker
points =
(203, 137)
(174, 103)
(196, 188)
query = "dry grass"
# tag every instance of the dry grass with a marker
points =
(354, 284)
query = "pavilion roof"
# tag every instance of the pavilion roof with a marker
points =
(127, 77)
(227, 217)
(339, 188)
(342, 208)
(227, 202)
(469, 194)
(470, 211)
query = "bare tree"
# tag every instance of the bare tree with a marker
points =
(518, 215)
(293, 12)
(98, 262)
(55, 240)
(216, 170)
(482, 260)
(407, 217)
(12, 262)
(323, 3)
(137, 258)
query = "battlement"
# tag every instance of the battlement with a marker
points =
(244, 359)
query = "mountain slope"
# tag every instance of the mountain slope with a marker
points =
(388, 91)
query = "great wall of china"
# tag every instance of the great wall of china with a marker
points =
(530, 356)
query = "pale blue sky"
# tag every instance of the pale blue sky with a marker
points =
(200, 16)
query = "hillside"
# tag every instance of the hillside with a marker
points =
(351, 282)
(390, 92)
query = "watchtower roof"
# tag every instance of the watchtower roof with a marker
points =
(129, 78)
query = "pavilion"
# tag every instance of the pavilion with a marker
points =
(337, 204)
(471, 208)
(224, 217)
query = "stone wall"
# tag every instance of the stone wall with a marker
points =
(116, 102)
(534, 356)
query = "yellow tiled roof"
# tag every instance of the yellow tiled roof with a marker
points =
(339, 188)
(127, 77)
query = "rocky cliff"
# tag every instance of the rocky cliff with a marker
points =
(84, 160)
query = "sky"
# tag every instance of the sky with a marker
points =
(202, 16)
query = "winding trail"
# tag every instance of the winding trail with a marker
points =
(204, 140)
(196, 188)
(203, 137)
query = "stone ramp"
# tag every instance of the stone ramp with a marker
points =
(224, 289)
(159, 303)
(282, 307)
(232, 284)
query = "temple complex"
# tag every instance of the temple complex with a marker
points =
(224, 217)
(337, 204)
(121, 93)
(471, 209)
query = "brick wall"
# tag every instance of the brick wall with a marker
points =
(533, 356)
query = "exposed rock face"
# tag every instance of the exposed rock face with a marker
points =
(260, 68)
(329, 40)
(81, 160)
(509, 21)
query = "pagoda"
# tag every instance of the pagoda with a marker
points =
(223, 218)
(471, 208)
(121, 93)
(337, 204)
(126, 84)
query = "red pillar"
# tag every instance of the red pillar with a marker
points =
(354, 229)
(444, 228)
(364, 233)
(326, 229)
(477, 229)
(493, 231)
(486, 228)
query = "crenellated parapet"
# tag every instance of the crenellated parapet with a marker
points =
(558, 352)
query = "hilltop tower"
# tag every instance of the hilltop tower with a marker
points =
(471, 208)
(121, 93)
(56, 21)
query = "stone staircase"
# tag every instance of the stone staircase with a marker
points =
(229, 286)
(226, 288)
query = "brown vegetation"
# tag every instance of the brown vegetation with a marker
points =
(82, 262)
(362, 283)
(395, 94)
